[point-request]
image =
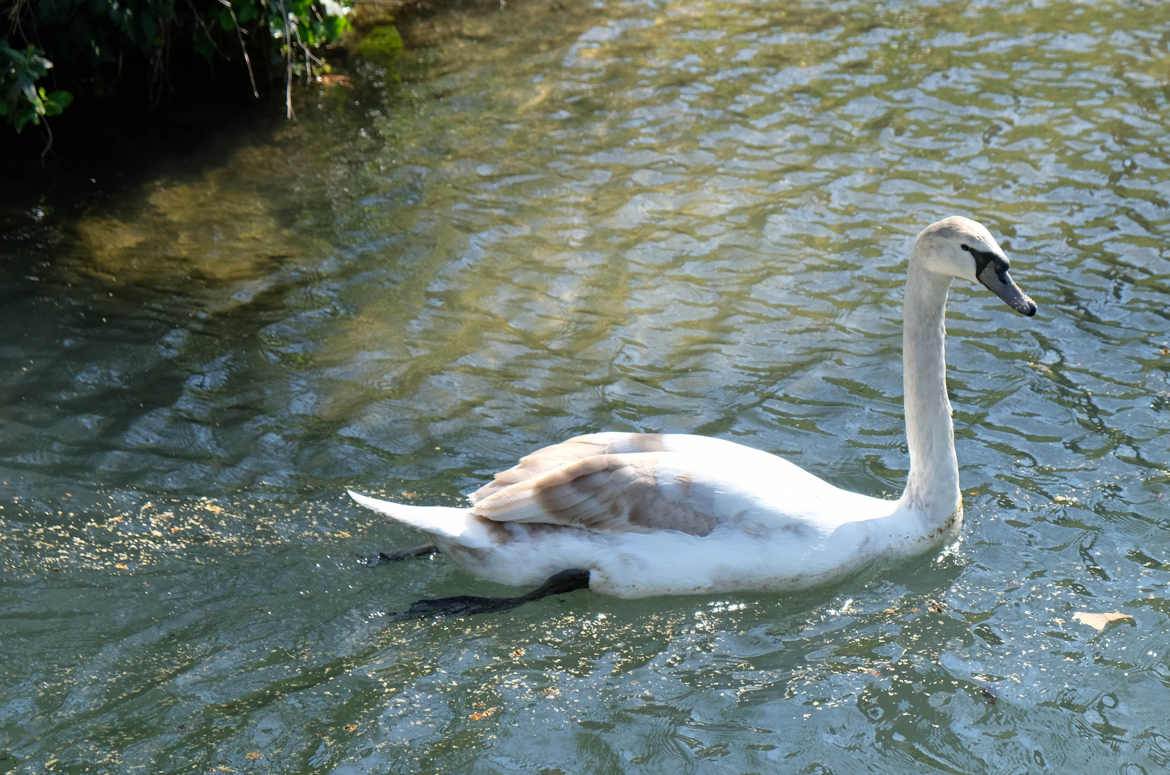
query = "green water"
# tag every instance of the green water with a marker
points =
(628, 216)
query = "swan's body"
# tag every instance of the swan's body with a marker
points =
(650, 514)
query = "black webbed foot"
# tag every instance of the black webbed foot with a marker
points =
(403, 554)
(460, 605)
(466, 605)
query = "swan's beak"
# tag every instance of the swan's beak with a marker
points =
(995, 276)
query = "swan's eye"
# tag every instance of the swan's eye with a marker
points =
(966, 248)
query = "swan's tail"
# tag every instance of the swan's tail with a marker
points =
(448, 523)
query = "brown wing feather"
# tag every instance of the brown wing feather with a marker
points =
(555, 456)
(607, 492)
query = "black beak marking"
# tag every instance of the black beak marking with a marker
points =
(992, 271)
(985, 257)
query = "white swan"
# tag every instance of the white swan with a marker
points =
(649, 514)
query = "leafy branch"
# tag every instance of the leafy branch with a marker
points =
(22, 101)
(105, 48)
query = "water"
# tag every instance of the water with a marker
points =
(656, 217)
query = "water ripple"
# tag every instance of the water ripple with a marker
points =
(646, 216)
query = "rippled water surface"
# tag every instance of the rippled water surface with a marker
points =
(639, 216)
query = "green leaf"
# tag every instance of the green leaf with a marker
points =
(308, 35)
(246, 11)
(57, 101)
(335, 27)
(226, 22)
(23, 117)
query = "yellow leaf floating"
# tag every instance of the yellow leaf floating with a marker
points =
(482, 714)
(1100, 621)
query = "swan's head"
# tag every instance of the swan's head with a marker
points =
(963, 248)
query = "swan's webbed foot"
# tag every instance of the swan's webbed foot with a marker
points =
(403, 554)
(466, 605)
(460, 605)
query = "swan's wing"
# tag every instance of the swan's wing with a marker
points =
(555, 456)
(628, 492)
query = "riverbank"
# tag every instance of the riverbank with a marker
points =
(99, 144)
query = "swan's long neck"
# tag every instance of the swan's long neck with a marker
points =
(932, 488)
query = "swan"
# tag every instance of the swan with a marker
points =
(643, 514)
